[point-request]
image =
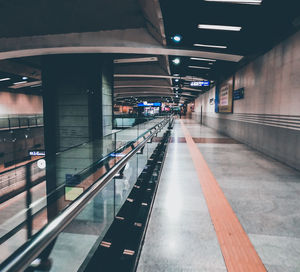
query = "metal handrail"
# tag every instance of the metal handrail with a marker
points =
(20, 260)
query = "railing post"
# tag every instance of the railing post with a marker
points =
(28, 200)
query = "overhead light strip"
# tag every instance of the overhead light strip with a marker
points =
(246, 2)
(20, 82)
(4, 79)
(210, 45)
(202, 59)
(220, 27)
(199, 67)
(136, 60)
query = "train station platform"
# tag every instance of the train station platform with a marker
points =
(222, 206)
(219, 206)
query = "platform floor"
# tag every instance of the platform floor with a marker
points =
(185, 232)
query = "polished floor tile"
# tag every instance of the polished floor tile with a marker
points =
(263, 193)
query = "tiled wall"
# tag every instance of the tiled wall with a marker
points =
(268, 118)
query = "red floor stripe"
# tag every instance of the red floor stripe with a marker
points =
(237, 249)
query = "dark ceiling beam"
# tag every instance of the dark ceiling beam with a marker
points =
(117, 88)
(155, 76)
(158, 94)
(143, 86)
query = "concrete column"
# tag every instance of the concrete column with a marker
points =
(76, 93)
(107, 96)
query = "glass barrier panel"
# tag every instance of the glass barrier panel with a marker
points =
(81, 237)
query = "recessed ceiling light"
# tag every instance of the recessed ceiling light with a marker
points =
(176, 61)
(210, 45)
(4, 79)
(199, 67)
(175, 74)
(176, 80)
(220, 27)
(177, 38)
(203, 59)
(24, 78)
(247, 2)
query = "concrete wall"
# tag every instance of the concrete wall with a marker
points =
(268, 118)
(12, 103)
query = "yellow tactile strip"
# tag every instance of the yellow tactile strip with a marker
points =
(237, 249)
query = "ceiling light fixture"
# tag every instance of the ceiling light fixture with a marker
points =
(176, 61)
(210, 45)
(4, 79)
(203, 59)
(176, 38)
(246, 2)
(20, 82)
(24, 78)
(199, 67)
(220, 27)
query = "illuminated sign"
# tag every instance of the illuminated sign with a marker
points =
(202, 83)
(146, 104)
(117, 155)
(37, 153)
(71, 193)
(238, 94)
(225, 96)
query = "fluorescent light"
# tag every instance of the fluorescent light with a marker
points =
(210, 45)
(199, 67)
(220, 27)
(20, 82)
(4, 79)
(203, 59)
(247, 2)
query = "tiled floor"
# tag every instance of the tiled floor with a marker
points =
(263, 193)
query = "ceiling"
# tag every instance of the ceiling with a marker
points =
(263, 26)
(151, 76)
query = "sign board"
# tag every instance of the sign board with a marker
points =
(71, 193)
(147, 104)
(202, 83)
(238, 94)
(225, 96)
(72, 179)
(36, 153)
